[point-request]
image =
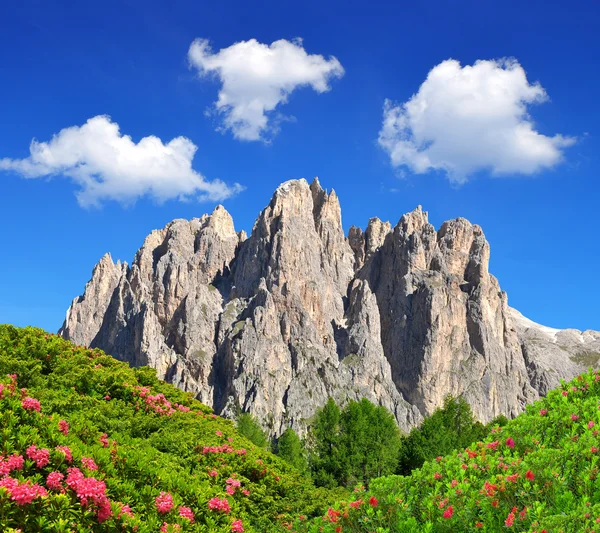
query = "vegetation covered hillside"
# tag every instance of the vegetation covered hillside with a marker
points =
(89, 444)
(539, 473)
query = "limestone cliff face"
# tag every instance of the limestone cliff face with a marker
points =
(277, 322)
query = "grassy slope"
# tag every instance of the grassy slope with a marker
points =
(538, 474)
(145, 451)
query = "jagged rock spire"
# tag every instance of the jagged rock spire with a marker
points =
(276, 322)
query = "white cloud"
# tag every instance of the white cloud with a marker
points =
(257, 77)
(466, 119)
(107, 165)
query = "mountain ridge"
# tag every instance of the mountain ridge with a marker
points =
(276, 322)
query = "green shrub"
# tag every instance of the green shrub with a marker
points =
(145, 437)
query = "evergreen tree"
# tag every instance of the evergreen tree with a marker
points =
(325, 459)
(370, 441)
(249, 427)
(450, 428)
(290, 448)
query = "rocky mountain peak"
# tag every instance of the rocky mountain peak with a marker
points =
(278, 321)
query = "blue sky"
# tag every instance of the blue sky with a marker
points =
(63, 63)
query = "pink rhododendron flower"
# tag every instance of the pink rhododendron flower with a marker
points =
(591, 424)
(164, 502)
(125, 510)
(230, 490)
(543, 412)
(437, 475)
(245, 492)
(26, 492)
(510, 442)
(373, 502)
(574, 417)
(41, 456)
(530, 475)
(186, 512)
(237, 526)
(89, 463)
(66, 451)
(54, 481)
(173, 528)
(449, 512)
(213, 473)
(233, 482)
(13, 462)
(63, 427)
(31, 404)
(8, 483)
(217, 504)
(219, 433)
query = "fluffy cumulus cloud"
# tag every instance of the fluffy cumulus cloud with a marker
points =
(107, 165)
(256, 78)
(466, 119)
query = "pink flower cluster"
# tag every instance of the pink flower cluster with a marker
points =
(218, 504)
(165, 528)
(126, 510)
(89, 463)
(157, 402)
(104, 440)
(31, 404)
(41, 456)
(66, 451)
(237, 526)
(89, 490)
(186, 512)
(63, 427)
(13, 462)
(22, 493)
(232, 484)
(224, 448)
(164, 502)
(54, 481)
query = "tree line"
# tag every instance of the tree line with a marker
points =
(361, 441)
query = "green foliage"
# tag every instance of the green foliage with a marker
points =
(248, 426)
(449, 428)
(370, 440)
(145, 436)
(540, 472)
(291, 449)
(354, 445)
(325, 453)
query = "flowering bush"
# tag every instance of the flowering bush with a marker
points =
(89, 444)
(539, 473)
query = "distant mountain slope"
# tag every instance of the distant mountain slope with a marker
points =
(89, 444)
(554, 354)
(277, 322)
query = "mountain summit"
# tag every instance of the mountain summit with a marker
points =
(277, 322)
